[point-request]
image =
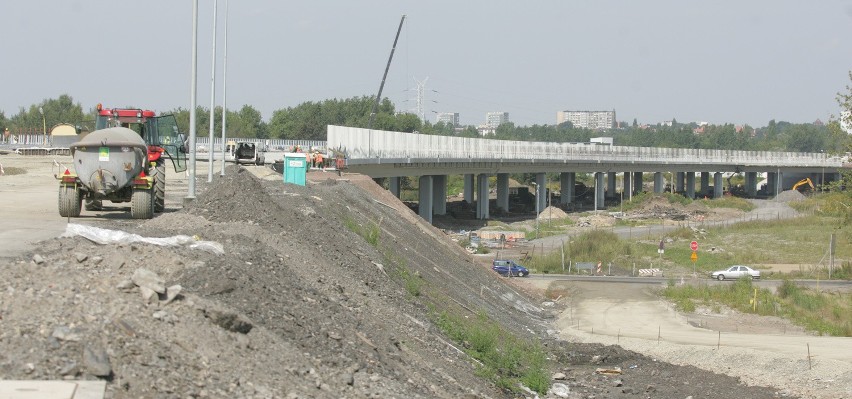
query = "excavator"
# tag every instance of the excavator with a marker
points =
(802, 182)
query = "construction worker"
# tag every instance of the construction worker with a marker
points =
(319, 160)
(309, 159)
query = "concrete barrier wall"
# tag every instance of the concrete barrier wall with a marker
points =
(367, 144)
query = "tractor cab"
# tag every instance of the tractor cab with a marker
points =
(159, 132)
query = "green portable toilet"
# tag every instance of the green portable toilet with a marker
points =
(295, 168)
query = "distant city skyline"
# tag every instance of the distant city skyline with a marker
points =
(722, 62)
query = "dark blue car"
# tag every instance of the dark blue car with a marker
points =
(504, 267)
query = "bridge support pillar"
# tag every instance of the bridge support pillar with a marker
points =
(439, 194)
(659, 185)
(610, 184)
(482, 196)
(540, 191)
(705, 183)
(394, 185)
(638, 182)
(690, 185)
(626, 183)
(468, 188)
(425, 198)
(771, 184)
(717, 185)
(751, 184)
(566, 187)
(679, 186)
(503, 191)
(599, 190)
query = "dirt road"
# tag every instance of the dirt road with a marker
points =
(632, 316)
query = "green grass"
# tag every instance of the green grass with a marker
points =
(504, 359)
(820, 312)
(369, 233)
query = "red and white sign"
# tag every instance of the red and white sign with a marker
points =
(693, 245)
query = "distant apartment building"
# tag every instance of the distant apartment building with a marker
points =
(449, 118)
(587, 119)
(494, 119)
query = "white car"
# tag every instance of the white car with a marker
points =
(736, 271)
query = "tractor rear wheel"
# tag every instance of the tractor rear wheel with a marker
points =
(69, 201)
(142, 203)
(160, 186)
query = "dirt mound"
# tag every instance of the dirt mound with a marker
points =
(552, 212)
(789, 195)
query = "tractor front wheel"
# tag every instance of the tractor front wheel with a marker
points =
(69, 201)
(160, 186)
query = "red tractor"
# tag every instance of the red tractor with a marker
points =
(122, 160)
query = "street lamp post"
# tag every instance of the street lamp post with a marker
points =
(44, 126)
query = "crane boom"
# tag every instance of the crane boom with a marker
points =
(382, 85)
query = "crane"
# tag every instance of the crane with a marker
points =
(382, 85)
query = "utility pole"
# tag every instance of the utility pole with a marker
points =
(190, 195)
(212, 119)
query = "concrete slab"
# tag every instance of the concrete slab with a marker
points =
(33, 389)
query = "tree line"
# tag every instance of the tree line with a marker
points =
(308, 121)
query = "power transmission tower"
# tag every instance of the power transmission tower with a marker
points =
(421, 94)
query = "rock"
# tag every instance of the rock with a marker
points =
(81, 257)
(38, 259)
(96, 361)
(348, 378)
(617, 383)
(171, 293)
(97, 260)
(559, 390)
(147, 294)
(160, 315)
(126, 285)
(69, 369)
(229, 320)
(64, 333)
(148, 279)
(558, 376)
(29, 368)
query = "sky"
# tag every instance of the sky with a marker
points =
(721, 61)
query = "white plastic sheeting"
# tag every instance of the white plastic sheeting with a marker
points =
(106, 236)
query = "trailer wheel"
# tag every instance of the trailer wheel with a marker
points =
(142, 203)
(260, 160)
(69, 201)
(160, 186)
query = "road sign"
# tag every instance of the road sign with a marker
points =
(693, 245)
(694, 256)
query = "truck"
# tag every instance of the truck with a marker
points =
(122, 160)
(244, 152)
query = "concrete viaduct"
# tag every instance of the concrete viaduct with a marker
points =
(385, 154)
